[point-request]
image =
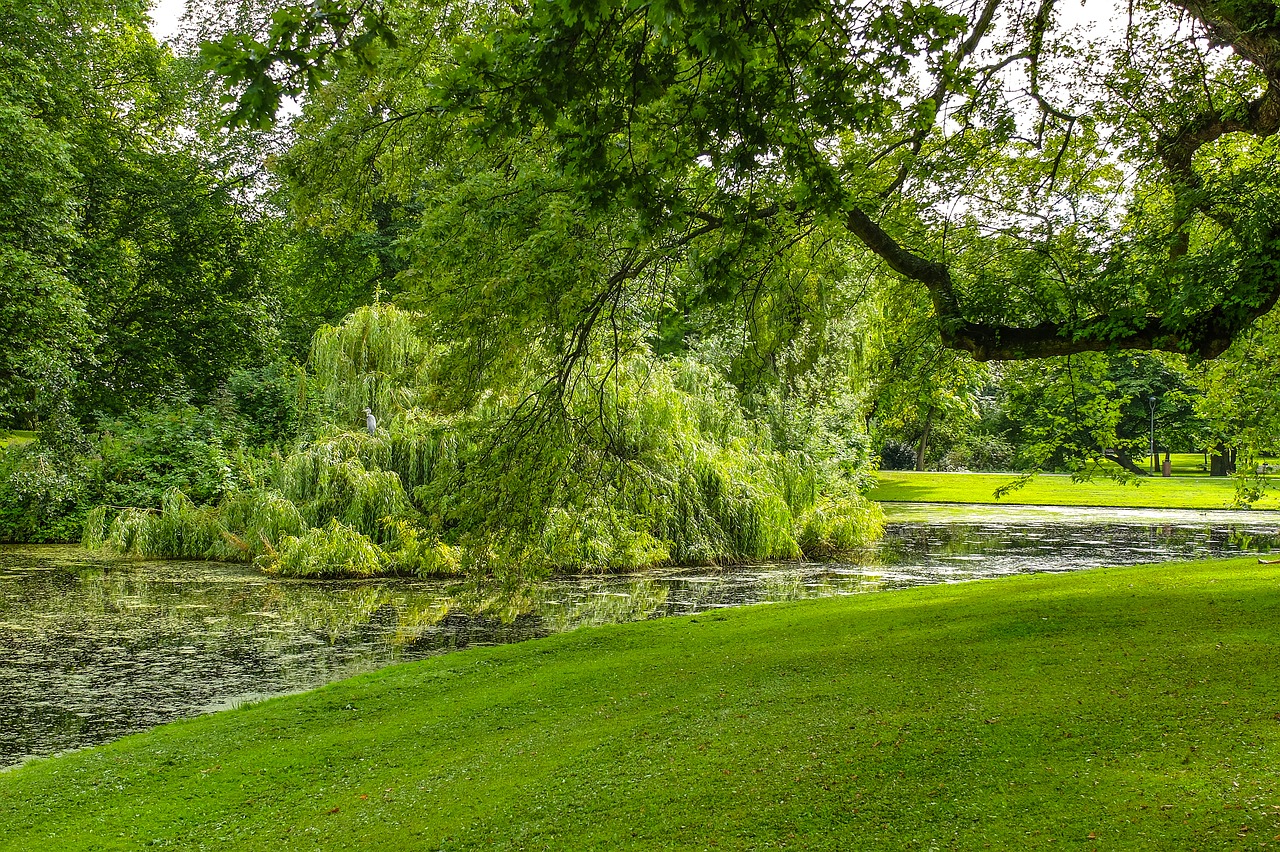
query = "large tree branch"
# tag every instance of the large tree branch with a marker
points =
(1206, 335)
(1249, 28)
(1246, 26)
(1176, 149)
(934, 276)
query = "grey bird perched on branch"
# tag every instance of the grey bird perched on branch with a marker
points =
(370, 421)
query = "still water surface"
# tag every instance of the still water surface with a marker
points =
(92, 648)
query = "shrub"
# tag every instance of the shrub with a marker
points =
(335, 550)
(179, 529)
(43, 494)
(833, 527)
(266, 399)
(895, 455)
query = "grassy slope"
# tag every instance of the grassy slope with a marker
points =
(1181, 492)
(1120, 708)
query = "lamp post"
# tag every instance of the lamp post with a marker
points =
(1151, 402)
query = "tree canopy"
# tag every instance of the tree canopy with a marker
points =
(1054, 190)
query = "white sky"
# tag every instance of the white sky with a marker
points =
(164, 18)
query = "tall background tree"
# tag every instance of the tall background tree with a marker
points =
(1046, 189)
(132, 259)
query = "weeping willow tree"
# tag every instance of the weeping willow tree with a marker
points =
(375, 359)
(339, 505)
(691, 470)
(651, 461)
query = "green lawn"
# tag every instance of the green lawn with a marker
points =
(1183, 464)
(1133, 708)
(1180, 492)
(1180, 464)
(15, 438)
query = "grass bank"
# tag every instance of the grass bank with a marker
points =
(1121, 708)
(1178, 492)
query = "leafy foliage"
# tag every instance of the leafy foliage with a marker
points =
(1053, 192)
(131, 462)
(266, 398)
(653, 462)
(334, 550)
(130, 262)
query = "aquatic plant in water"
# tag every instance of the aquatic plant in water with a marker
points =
(832, 527)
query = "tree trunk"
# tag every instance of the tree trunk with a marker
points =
(1125, 462)
(1223, 462)
(924, 440)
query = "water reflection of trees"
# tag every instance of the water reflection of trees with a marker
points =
(198, 604)
(601, 603)
(194, 603)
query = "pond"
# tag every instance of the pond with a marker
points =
(92, 648)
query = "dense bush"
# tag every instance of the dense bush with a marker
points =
(43, 494)
(334, 550)
(136, 459)
(895, 455)
(129, 462)
(267, 400)
(982, 452)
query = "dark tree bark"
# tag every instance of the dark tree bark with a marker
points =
(1223, 462)
(1207, 337)
(923, 446)
(1122, 459)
